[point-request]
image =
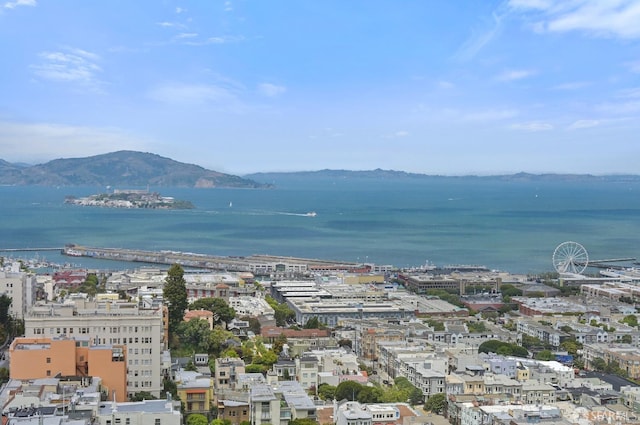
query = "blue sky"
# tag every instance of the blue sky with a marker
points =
(435, 87)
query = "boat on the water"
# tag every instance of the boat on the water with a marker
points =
(311, 214)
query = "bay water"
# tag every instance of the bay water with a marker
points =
(507, 225)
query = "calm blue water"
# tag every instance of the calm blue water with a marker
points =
(512, 226)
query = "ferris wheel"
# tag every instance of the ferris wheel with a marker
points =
(570, 257)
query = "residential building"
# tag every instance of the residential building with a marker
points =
(195, 391)
(33, 358)
(21, 287)
(108, 322)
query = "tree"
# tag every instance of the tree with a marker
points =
(326, 392)
(630, 319)
(344, 342)
(626, 339)
(303, 421)
(545, 355)
(436, 403)
(348, 390)
(369, 395)
(5, 303)
(218, 306)
(314, 323)
(254, 324)
(141, 396)
(197, 419)
(175, 295)
(195, 334)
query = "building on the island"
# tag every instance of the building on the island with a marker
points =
(109, 323)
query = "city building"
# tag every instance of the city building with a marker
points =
(21, 287)
(108, 322)
(33, 358)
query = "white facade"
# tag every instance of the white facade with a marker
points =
(148, 412)
(105, 323)
(21, 287)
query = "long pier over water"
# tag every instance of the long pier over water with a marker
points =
(254, 263)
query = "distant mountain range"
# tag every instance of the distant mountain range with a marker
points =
(138, 169)
(122, 168)
(398, 175)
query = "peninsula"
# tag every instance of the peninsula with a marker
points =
(130, 199)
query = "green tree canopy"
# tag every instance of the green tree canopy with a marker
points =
(175, 296)
(142, 395)
(348, 390)
(219, 307)
(5, 303)
(326, 392)
(195, 335)
(197, 419)
(437, 403)
(630, 319)
(545, 355)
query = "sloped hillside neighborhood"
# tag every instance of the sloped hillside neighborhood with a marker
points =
(363, 345)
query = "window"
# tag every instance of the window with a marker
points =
(48, 373)
(48, 359)
(157, 421)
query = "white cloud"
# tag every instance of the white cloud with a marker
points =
(224, 39)
(633, 92)
(18, 3)
(479, 39)
(600, 18)
(532, 126)
(71, 66)
(445, 84)
(583, 124)
(574, 85)
(193, 94)
(228, 7)
(271, 90)
(634, 67)
(186, 35)
(491, 115)
(180, 10)
(517, 74)
(49, 141)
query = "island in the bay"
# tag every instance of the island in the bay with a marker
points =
(130, 199)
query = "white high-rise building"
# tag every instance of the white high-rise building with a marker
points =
(108, 322)
(21, 287)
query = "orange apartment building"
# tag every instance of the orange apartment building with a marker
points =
(34, 358)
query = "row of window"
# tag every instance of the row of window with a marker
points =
(96, 329)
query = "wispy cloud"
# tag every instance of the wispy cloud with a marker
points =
(48, 141)
(633, 92)
(397, 135)
(573, 85)
(271, 90)
(619, 18)
(482, 37)
(532, 126)
(220, 96)
(634, 67)
(70, 65)
(513, 75)
(18, 3)
(443, 84)
(223, 39)
(583, 124)
(167, 24)
(180, 10)
(490, 115)
(228, 6)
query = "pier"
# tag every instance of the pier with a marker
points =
(30, 249)
(257, 264)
